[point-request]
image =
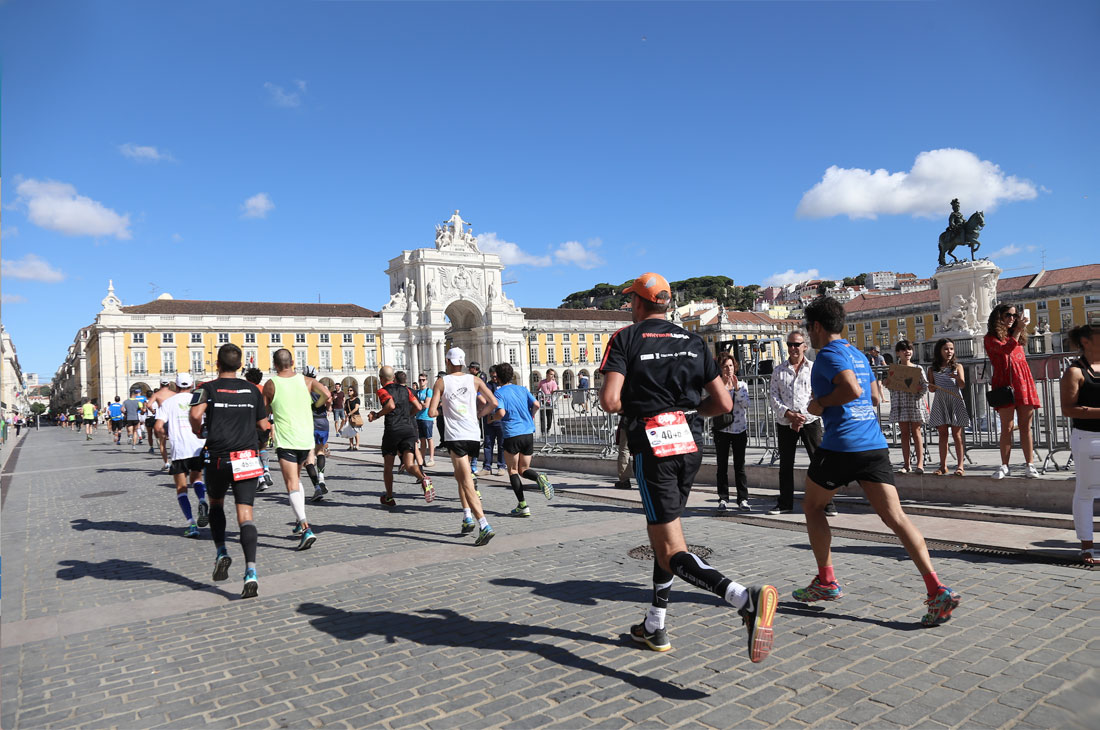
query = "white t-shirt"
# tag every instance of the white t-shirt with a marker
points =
(459, 404)
(175, 413)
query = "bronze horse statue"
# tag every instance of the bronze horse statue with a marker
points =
(965, 235)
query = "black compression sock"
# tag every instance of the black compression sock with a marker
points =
(692, 569)
(217, 524)
(311, 470)
(662, 585)
(321, 463)
(531, 474)
(249, 537)
(517, 486)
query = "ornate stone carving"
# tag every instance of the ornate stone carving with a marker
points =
(454, 236)
(961, 317)
(111, 303)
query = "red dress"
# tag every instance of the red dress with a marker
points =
(1010, 368)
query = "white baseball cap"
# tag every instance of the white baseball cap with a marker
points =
(165, 380)
(456, 356)
(184, 380)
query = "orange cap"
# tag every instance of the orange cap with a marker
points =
(650, 286)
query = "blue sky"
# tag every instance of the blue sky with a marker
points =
(286, 151)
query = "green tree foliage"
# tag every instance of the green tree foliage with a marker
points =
(860, 280)
(38, 408)
(720, 288)
(825, 286)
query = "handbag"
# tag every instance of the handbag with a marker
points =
(1001, 397)
(721, 421)
(356, 420)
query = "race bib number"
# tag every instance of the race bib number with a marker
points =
(669, 434)
(246, 465)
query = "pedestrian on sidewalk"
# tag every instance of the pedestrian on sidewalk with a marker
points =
(655, 375)
(846, 395)
(907, 408)
(789, 395)
(1005, 346)
(731, 434)
(948, 405)
(1080, 391)
(352, 405)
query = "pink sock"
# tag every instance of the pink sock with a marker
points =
(825, 574)
(931, 582)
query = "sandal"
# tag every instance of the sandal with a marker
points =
(903, 470)
(918, 469)
(960, 472)
(1088, 556)
(940, 472)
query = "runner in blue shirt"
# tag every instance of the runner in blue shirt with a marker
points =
(116, 414)
(515, 410)
(846, 395)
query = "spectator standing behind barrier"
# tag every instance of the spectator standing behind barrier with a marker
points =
(907, 410)
(876, 358)
(1080, 392)
(789, 395)
(623, 464)
(1005, 338)
(731, 433)
(948, 406)
(547, 387)
(494, 433)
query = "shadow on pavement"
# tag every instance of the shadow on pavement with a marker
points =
(588, 592)
(454, 629)
(402, 532)
(116, 569)
(83, 524)
(795, 608)
(897, 552)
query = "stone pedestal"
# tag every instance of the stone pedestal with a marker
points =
(968, 291)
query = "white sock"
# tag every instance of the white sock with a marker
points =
(467, 514)
(655, 618)
(298, 504)
(737, 595)
(482, 522)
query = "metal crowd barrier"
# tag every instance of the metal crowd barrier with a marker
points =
(574, 421)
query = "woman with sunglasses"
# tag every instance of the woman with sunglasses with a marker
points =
(1005, 341)
(1081, 402)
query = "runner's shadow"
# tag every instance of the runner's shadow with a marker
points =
(452, 629)
(590, 592)
(116, 569)
(83, 524)
(795, 608)
(368, 531)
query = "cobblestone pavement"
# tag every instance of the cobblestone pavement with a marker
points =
(394, 620)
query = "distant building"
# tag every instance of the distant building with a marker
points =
(881, 280)
(13, 385)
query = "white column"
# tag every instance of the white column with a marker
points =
(414, 360)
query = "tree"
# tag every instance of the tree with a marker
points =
(824, 287)
(38, 408)
(860, 280)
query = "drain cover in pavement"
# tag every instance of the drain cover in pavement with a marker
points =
(93, 495)
(645, 552)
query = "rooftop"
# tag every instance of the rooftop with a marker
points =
(249, 309)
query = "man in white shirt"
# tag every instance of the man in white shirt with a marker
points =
(187, 462)
(789, 393)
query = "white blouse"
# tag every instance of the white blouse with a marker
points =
(790, 392)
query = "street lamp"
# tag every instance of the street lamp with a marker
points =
(528, 331)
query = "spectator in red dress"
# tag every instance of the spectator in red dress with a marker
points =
(1005, 340)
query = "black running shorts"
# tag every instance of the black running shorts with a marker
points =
(834, 469)
(186, 466)
(131, 424)
(219, 480)
(294, 456)
(116, 425)
(522, 444)
(150, 423)
(398, 443)
(463, 448)
(665, 483)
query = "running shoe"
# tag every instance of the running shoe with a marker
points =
(388, 501)
(308, 538)
(251, 585)
(940, 606)
(297, 528)
(221, 564)
(321, 484)
(722, 506)
(468, 525)
(484, 536)
(818, 591)
(429, 491)
(167, 465)
(830, 510)
(204, 513)
(546, 487)
(657, 640)
(431, 462)
(521, 510)
(268, 481)
(191, 531)
(743, 505)
(318, 495)
(757, 615)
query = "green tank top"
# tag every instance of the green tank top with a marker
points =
(291, 410)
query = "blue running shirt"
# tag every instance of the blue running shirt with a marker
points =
(517, 402)
(853, 426)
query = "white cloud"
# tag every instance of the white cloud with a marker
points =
(790, 276)
(1009, 250)
(573, 252)
(510, 253)
(258, 206)
(32, 268)
(57, 206)
(145, 153)
(282, 97)
(12, 299)
(9, 232)
(926, 190)
(176, 238)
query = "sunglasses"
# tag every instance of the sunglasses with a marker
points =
(795, 344)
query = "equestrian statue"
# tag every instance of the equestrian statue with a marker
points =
(960, 233)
